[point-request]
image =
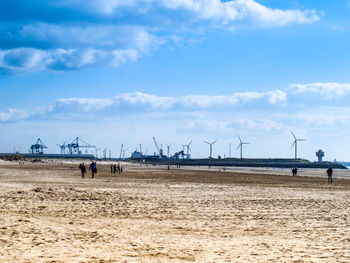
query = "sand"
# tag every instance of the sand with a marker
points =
(48, 213)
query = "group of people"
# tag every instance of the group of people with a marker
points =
(329, 173)
(119, 169)
(116, 169)
(92, 168)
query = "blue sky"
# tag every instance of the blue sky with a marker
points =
(115, 72)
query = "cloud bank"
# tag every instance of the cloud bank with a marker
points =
(73, 34)
(326, 90)
(141, 102)
(128, 103)
(273, 110)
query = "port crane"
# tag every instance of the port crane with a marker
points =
(160, 150)
(38, 147)
(62, 147)
(75, 146)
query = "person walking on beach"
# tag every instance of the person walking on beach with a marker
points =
(114, 168)
(82, 169)
(93, 168)
(294, 171)
(330, 174)
(118, 168)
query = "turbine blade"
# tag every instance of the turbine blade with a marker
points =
(214, 142)
(301, 140)
(239, 145)
(239, 138)
(293, 135)
(190, 143)
(206, 142)
(293, 144)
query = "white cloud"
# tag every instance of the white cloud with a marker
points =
(141, 102)
(223, 12)
(318, 116)
(13, 115)
(30, 59)
(23, 59)
(83, 103)
(326, 90)
(121, 31)
(201, 101)
(123, 56)
(209, 126)
(231, 126)
(106, 36)
(256, 124)
(62, 47)
(276, 96)
(239, 10)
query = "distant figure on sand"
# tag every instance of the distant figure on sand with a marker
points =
(82, 169)
(111, 168)
(330, 174)
(294, 171)
(93, 168)
(114, 168)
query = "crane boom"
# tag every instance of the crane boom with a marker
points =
(156, 144)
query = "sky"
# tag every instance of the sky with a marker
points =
(122, 72)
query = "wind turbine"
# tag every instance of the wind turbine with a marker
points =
(295, 144)
(96, 152)
(240, 145)
(188, 149)
(211, 147)
(121, 151)
(124, 152)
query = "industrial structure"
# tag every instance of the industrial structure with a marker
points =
(62, 147)
(38, 147)
(136, 155)
(320, 155)
(77, 144)
(182, 157)
(159, 149)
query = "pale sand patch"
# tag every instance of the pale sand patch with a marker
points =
(50, 214)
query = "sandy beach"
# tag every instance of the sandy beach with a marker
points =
(151, 214)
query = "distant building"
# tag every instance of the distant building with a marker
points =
(136, 155)
(320, 155)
